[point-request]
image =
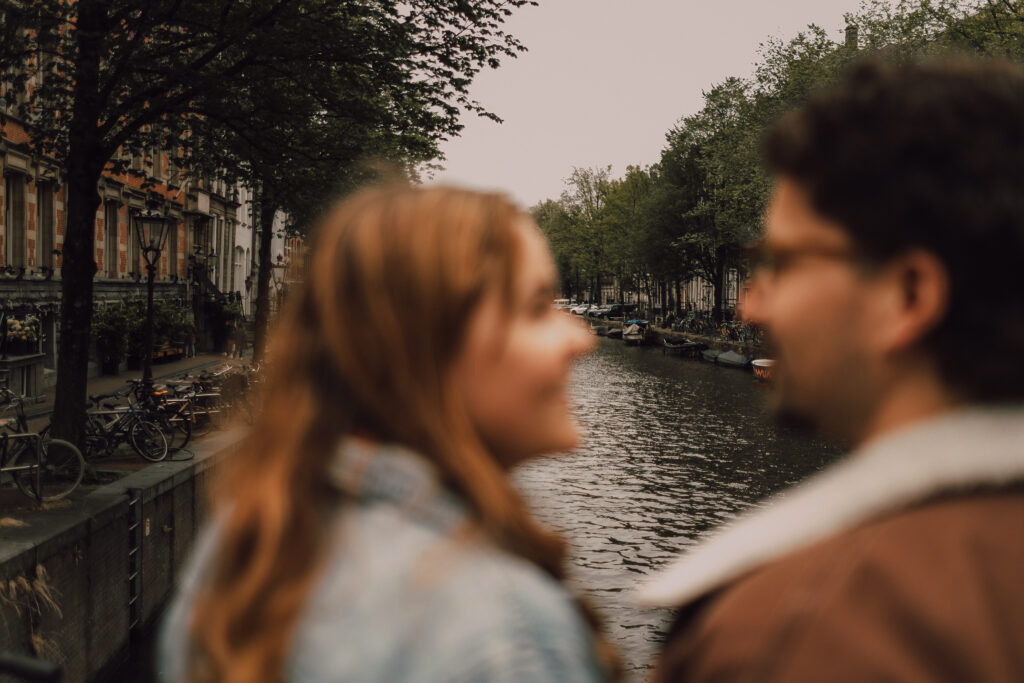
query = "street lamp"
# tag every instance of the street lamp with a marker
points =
(277, 272)
(151, 231)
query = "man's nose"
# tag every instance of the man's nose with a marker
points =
(754, 304)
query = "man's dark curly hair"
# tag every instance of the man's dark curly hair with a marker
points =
(929, 154)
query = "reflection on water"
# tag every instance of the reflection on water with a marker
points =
(674, 447)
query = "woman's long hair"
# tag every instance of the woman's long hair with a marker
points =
(364, 347)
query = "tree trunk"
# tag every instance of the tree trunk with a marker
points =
(78, 263)
(718, 285)
(648, 286)
(262, 317)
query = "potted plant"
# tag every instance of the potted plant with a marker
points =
(170, 323)
(22, 335)
(135, 332)
(109, 331)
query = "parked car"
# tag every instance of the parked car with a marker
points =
(562, 303)
(616, 310)
(579, 309)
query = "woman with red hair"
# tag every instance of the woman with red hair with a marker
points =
(367, 530)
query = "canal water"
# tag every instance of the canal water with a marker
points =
(673, 448)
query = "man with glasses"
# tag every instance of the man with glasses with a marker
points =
(889, 281)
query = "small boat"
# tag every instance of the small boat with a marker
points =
(762, 368)
(615, 333)
(633, 333)
(732, 359)
(681, 347)
(600, 330)
(710, 354)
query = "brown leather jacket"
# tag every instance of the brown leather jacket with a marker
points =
(932, 594)
(924, 584)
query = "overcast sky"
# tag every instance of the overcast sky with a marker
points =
(604, 80)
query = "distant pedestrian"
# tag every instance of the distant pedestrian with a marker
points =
(190, 342)
(229, 337)
(241, 340)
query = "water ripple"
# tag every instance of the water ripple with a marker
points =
(673, 448)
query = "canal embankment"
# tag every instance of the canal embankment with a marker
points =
(81, 580)
(655, 335)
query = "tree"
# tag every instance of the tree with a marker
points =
(621, 224)
(92, 76)
(557, 225)
(912, 27)
(688, 214)
(583, 199)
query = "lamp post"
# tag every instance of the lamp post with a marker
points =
(151, 231)
(277, 271)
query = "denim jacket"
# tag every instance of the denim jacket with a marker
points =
(410, 595)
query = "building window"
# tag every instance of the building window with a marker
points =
(14, 219)
(238, 270)
(46, 229)
(110, 254)
(172, 249)
(214, 241)
(134, 249)
(222, 255)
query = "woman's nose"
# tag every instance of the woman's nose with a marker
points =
(579, 338)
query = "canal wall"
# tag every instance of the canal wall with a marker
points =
(79, 583)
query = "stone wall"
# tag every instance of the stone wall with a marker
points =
(66, 588)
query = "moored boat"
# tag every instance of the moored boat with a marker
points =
(710, 354)
(732, 359)
(762, 368)
(634, 332)
(614, 333)
(681, 347)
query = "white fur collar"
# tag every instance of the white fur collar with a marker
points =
(959, 450)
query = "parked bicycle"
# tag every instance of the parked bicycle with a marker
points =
(42, 468)
(222, 393)
(107, 426)
(177, 416)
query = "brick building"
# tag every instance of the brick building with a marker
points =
(204, 259)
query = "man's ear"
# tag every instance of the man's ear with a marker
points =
(918, 287)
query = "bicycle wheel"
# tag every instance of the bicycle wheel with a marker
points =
(182, 431)
(200, 418)
(147, 440)
(62, 467)
(169, 424)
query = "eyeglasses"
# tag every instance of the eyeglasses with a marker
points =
(774, 261)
